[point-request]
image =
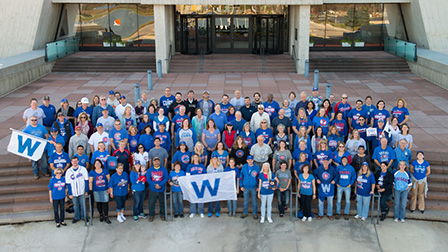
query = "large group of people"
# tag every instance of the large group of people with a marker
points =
(109, 149)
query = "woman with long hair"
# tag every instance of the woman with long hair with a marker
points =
(98, 180)
(306, 191)
(239, 152)
(266, 188)
(85, 124)
(364, 189)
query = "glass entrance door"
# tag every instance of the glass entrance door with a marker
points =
(269, 34)
(232, 34)
(196, 34)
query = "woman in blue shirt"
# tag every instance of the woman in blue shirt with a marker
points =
(210, 136)
(138, 180)
(119, 188)
(248, 135)
(306, 191)
(58, 196)
(265, 132)
(161, 119)
(98, 180)
(196, 168)
(301, 120)
(100, 154)
(365, 187)
(400, 111)
(380, 113)
(220, 153)
(402, 184)
(133, 139)
(182, 155)
(420, 170)
(266, 187)
(321, 120)
(333, 138)
(146, 138)
(310, 110)
(199, 149)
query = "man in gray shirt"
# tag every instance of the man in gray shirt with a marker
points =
(158, 151)
(260, 151)
(33, 110)
(283, 177)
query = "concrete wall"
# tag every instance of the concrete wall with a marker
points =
(300, 21)
(432, 66)
(26, 25)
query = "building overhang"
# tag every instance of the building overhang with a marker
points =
(233, 2)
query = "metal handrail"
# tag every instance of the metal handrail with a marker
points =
(201, 59)
(294, 57)
(170, 55)
(392, 45)
(293, 196)
(263, 59)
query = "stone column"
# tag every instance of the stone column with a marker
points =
(302, 24)
(163, 33)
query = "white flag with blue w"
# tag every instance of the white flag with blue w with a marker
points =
(26, 145)
(209, 187)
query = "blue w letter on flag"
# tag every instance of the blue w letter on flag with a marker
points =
(27, 145)
(200, 193)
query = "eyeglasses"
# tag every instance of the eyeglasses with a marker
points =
(260, 109)
(58, 173)
(344, 97)
(263, 122)
(33, 120)
(103, 99)
(140, 147)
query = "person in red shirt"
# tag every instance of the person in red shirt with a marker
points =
(123, 155)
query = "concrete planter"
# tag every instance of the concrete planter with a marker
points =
(120, 44)
(106, 44)
(346, 44)
(359, 44)
(311, 44)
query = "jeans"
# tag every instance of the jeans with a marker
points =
(329, 206)
(383, 204)
(200, 208)
(400, 201)
(283, 200)
(306, 204)
(59, 205)
(43, 164)
(232, 205)
(178, 203)
(121, 201)
(266, 199)
(217, 207)
(79, 202)
(246, 194)
(362, 205)
(139, 197)
(152, 198)
(346, 191)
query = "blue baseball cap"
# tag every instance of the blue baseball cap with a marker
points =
(324, 159)
(99, 124)
(365, 163)
(250, 157)
(111, 92)
(64, 100)
(53, 129)
(183, 142)
(315, 89)
(136, 162)
(122, 97)
(420, 152)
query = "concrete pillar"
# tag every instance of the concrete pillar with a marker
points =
(292, 26)
(163, 29)
(302, 24)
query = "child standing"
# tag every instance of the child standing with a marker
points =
(177, 191)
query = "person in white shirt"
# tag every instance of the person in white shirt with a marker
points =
(106, 120)
(111, 100)
(119, 110)
(257, 117)
(33, 110)
(238, 100)
(77, 180)
(97, 137)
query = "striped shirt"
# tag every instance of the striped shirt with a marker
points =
(77, 178)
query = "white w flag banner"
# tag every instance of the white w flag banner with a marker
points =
(26, 145)
(209, 187)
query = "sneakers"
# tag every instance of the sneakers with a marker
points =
(119, 219)
(383, 217)
(262, 220)
(175, 216)
(281, 215)
(142, 215)
(243, 216)
(106, 219)
(402, 221)
(396, 220)
(304, 218)
(346, 217)
(135, 218)
(363, 219)
(202, 215)
(191, 215)
(36, 176)
(337, 217)
(182, 215)
(270, 220)
(310, 219)
(209, 215)
(357, 216)
(217, 215)
(122, 216)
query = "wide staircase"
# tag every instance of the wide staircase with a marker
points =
(24, 199)
(225, 63)
(107, 62)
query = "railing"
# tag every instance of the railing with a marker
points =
(58, 49)
(403, 49)
(168, 60)
(201, 59)
(263, 59)
(294, 57)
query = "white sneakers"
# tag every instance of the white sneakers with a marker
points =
(304, 218)
(310, 219)
(262, 220)
(363, 219)
(122, 216)
(270, 220)
(202, 215)
(119, 219)
(357, 216)
(396, 220)
(192, 215)
(402, 220)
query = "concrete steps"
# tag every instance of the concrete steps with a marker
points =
(379, 64)
(105, 64)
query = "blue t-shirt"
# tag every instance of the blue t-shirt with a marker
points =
(379, 114)
(297, 124)
(265, 183)
(50, 113)
(249, 140)
(399, 113)
(237, 173)
(57, 188)
(364, 185)
(323, 122)
(420, 169)
(297, 152)
(369, 109)
(79, 110)
(326, 189)
(195, 169)
(319, 155)
(298, 166)
(174, 176)
(306, 185)
(165, 102)
(383, 155)
(99, 180)
(222, 157)
(354, 114)
(225, 108)
(100, 155)
(147, 140)
(267, 134)
(38, 131)
(211, 138)
(133, 142)
(341, 125)
(119, 184)
(118, 135)
(59, 160)
(220, 120)
(83, 159)
(177, 120)
(183, 157)
(271, 109)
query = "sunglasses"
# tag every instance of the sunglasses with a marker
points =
(140, 147)
(33, 120)
(362, 119)
(264, 122)
(83, 117)
(103, 99)
(117, 124)
(344, 97)
(341, 146)
(58, 173)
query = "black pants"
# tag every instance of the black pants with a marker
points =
(103, 208)
(306, 205)
(282, 201)
(152, 198)
(59, 205)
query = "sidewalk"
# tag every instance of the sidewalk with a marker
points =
(427, 102)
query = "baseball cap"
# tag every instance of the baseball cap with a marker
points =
(99, 125)
(260, 106)
(205, 91)
(136, 162)
(250, 157)
(381, 120)
(84, 100)
(122, 97)
(111, 92)
(64, 100)
(183, 142)
(365, 163)
(315, 89)
(60, 114)
(420, 152)
(105, 109)
(77, 127)
(53, 129)
(156, 158)
(324, 159)
(46, 98)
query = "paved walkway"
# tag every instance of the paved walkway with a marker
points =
(228, 234)
(427, 102)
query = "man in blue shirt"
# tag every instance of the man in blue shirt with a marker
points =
(117, 134)
(402, 153)
(166, 100)
(38, 131)
(326, 178)
(383, 153)
(355, 113)
(271, 107)
(157, 176)
(49, 111)
(248, 185)
(98, 110)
